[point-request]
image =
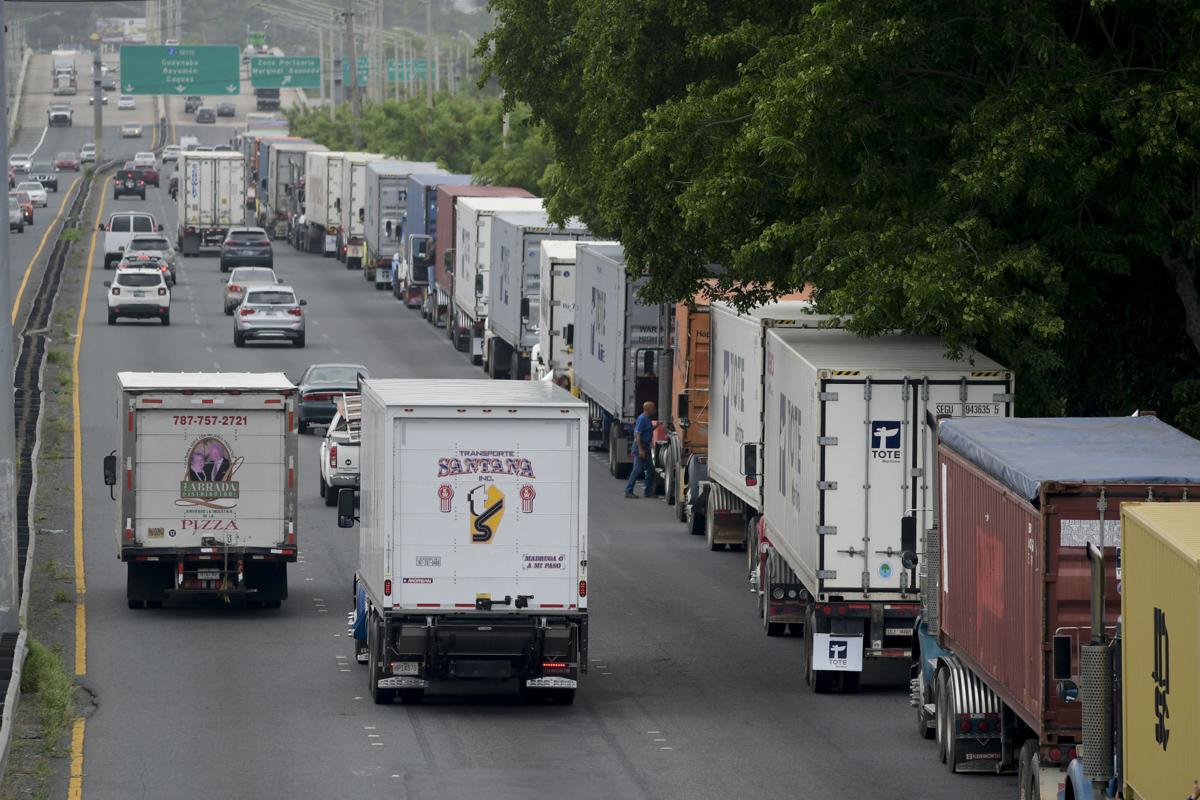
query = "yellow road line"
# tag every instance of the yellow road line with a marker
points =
(37, 253)
(75, 786)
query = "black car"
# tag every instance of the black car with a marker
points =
(45, 175)
(192, 102)
(246, 247)
(318, 387)
(129, 181)
(226, 110)
(205, 114)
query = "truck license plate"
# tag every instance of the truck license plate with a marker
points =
(406, 667)
(209, 575)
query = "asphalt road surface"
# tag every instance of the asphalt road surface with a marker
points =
(685, 697)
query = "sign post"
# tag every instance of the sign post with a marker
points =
(278, 72)
(205, 69)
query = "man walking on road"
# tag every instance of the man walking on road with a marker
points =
(643, 435)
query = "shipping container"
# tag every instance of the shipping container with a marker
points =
(1160, 648)
(322, 203)
(282, 187)
(1006, 573)
(556, 305)
(685, 458)
(211, 198)
(352, 208)
(447, 197)
(418, 234)
(386, 206)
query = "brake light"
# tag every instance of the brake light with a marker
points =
(264, 243)
(387, 587)
(333, 456)
(555, 665)
(162, 291)
(583, 588)
(116, 290)
(245, 312)
(295, 311)
(233, 287)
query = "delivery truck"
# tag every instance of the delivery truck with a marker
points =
(352, 209)
(472, 265)
(418, 233)
(1005, 629)
(322, 200)
(386, 203)
(204, 479)
(473, 548)
(556, 306)
(844, 461)
(1141, 706)
(282, 185)
(618, 341)
(211, 198)
(444, 255)
(512, 322)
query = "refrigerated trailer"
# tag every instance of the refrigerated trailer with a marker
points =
(1000, 648)
(322, 204)
(352, 209)
(846, 461)
(556, 306)
(205, 478)
(386, 205)
(282, 185)
(211, 198)
(473, 548)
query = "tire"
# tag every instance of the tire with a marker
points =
(1028, 767)
(669, 479)
(818, 682)
(301, 427)
(331, 495)
(710, 520)
(923, 728)
(223, 267)
(229, 311)
(942, 729)
(112, 318)
(696, 522)
(323, 485)
(166, 319)
(299, 342)
(238, 339)
(770, 628)
(949, 742)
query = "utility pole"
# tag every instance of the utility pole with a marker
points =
(324, 64)
(429, 53)
(352, 60)
(399, 66)
(9, 601)
(97, 105)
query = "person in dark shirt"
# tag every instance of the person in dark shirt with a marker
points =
(643, 435)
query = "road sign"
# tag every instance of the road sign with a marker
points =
(364, 71)
(213, 69)
(397, 70)
(278, 72)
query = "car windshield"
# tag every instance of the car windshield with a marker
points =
(65, 156)
(29, 186)
(138, 279)
(150, 243)
(247, 236)
(89, 148)
(18, 157)
(252, 275)
(341, 374)
(274, 297)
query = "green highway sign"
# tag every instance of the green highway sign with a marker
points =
(278, 72)
(364, 71)
(212, 69)
(397, 70)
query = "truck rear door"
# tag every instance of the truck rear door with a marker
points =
(486, 509)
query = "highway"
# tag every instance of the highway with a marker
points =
(685, 696)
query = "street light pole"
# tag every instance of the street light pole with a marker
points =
(98, 106)
(9, 601)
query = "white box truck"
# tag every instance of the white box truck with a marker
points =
(322, 204)
(386, 207)
(556, 305)
(473, 547)
(618, 342)
(512, 322)
(211, 198)
(283, 185)
(205, 480)
(472, 259)
(352, 208)
(847, 473)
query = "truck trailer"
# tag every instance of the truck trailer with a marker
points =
(1006, 618)
(472, 265)
(473, 548)
(282, 185)
(322, 200)
(556, 306)
(352, 209)
(618, 341)
(418, 234)
(512, 322)
(386, 202)
(205, 478)
(444, 247)
(211, 198)
(844, 464)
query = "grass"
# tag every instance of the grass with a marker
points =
(46, 677)
(71, 235)
(58, 356)
(62, 597)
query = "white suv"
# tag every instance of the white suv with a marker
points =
(139, 293)
(120, 229)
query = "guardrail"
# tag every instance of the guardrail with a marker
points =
(14, 108)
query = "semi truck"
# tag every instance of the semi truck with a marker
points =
(515, 274)
(444, 247)
(844, 462)
(322, 200)
(418, 235)
(472, 263)
(618, 341)
(266, 99)
(352, 209)
(62, 65)
(211, 198)
(473, 547)
(282, 185)
(556, 306)
(258, 147)
(204, 476)
(386, 202)
(1005, 630)
(1141, 729)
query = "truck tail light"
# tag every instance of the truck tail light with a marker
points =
(333, 456)
(1055, 755)
(555, 666)
(245, 312)
(233, 287)
(387, 587)
(583, 588)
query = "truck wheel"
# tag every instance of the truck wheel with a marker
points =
(695, 521)
(944, 724)
(670, 479)
(770, 628)
(818, 682)
(382, 697)
(710, 524)
(331, 495)
(1028, 767)
(322, 477)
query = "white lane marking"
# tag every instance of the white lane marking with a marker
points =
(209, 349)
(39, 144)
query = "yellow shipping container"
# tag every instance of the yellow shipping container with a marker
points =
(1160, 653)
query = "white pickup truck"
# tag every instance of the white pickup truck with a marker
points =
(339, 448)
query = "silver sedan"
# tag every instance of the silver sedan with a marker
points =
(269, 313)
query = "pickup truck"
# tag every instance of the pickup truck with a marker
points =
(339, 448)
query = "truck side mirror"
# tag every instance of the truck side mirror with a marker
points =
(110, 469)
(362, 214)
(750, 463)
(1062, 658)
(681, 406)
(908, 534)
(569, 334)
(448, 260)
(479, 285)
(525, 309)
(345, 508)
(337, 204)
(387, 228)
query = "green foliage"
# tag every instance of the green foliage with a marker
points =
(1020, 179)
(44, 676)
(462, 133)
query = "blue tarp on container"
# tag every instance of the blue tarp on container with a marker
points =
(1022, 453)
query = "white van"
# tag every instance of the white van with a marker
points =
(120, 229)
